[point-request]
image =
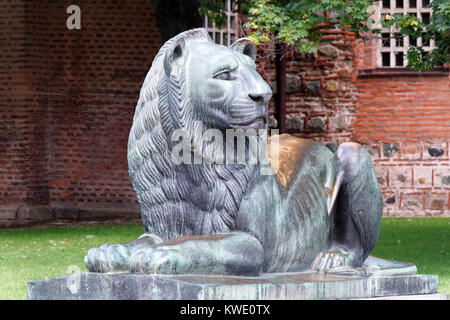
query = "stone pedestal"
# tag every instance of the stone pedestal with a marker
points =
(289, 286)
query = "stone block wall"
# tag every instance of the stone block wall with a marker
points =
(321, 88)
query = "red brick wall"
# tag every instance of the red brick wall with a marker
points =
(68, 105)
(406, 121)
(367, 54)
(22, 120)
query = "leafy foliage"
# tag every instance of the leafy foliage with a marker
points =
(297, 24)
(439, 31)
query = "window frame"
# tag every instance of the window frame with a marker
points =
(419, 10)
(228, 32)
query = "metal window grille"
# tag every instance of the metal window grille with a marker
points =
(393, 49)
(228, 34)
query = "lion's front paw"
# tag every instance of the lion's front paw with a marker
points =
(95, 260)
(332, 260)
(107, 258)
(158, 261)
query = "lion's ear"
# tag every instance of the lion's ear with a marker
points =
(174, 55)
(245, 46)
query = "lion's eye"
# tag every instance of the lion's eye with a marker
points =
(225, 75)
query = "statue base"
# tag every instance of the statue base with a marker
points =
(383, 278)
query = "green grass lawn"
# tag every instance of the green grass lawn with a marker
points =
(422, 241)
(39, 253)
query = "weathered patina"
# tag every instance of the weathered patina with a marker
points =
(318, 211)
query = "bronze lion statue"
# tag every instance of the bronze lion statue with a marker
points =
(317, 211)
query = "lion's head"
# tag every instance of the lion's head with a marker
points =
(193, 79)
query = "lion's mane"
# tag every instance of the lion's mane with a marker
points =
(178, 200)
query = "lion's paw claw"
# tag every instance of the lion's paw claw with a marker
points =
(157, 261)
(107, 258)
(331, 260)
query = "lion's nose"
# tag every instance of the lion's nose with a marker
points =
(260, 98)
(258, 90)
